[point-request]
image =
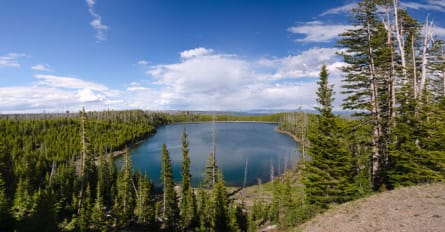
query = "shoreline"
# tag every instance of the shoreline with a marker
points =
(196, 122)
(295, 138)
(118, 153)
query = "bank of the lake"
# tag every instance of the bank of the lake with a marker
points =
(294, 137)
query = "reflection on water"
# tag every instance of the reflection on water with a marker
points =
(235, 143)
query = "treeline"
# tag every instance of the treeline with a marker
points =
(191, 116)
(52, 166)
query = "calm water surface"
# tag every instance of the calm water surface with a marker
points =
(257, 143)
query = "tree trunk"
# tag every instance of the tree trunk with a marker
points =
(414, 68)
(375, 157)
(392, 76)
(400, 41)
(427, 38)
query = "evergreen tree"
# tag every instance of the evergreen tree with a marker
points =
(188, 202)
(418, 154)
(98, 219)
(219, 203)
(170, 211)
(232, 221)
(45, 217)
(328, 176)
(144, 210)
(203, 209)
(211, 170)
(124, 199)
(84, 215)
(25, 204)
(87, 167)
(368, 79)
(5, 216)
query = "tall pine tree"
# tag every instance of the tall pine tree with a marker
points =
(368, 78)
(124, 199)
(328, 176)
(170, 211)
(188, 202)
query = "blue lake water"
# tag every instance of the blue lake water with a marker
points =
(236, 142)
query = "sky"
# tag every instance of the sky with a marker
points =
(227, 55)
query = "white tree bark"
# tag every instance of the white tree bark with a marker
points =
(376, 131)
(414, 68)
(428, 36)
(400, 42)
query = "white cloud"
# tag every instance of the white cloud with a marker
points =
(340, 10)
(432, 5)
(437, 2)
(134, 86)
(213, 81)
(56, 94)
(91, 3)
(68, 82)
(88, 95)
(316, 31)
(196, 52)
(96, 23)
(42, 67)
(202, 81)
(11, 59)
(306, 64)
(439, 31)
(143, 62)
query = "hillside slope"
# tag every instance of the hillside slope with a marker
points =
(417, 208)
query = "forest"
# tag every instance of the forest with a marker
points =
(57, 171)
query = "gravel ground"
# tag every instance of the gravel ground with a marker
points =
(417, 208)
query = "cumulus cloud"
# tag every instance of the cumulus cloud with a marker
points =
(42, 67)
(58, 93)
(68, 82)
(204, 80)
(195, 52)
(96, 23)
(316, 31)
(11, 59)
(201, 79)
(306, 64)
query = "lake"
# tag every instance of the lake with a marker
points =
(258, 144)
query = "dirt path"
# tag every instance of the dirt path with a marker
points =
(417, 208)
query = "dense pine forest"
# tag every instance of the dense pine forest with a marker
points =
(57, 172)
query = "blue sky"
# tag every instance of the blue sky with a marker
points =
(58, 55)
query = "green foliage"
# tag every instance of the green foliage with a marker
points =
(57, 171)
(210, 172)
(124, 200)
(99, 221)
(170, 211)
(418, 154)
(188, 116)
(84, 221)
(5, 217)
(329, 174)
(188, 201)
